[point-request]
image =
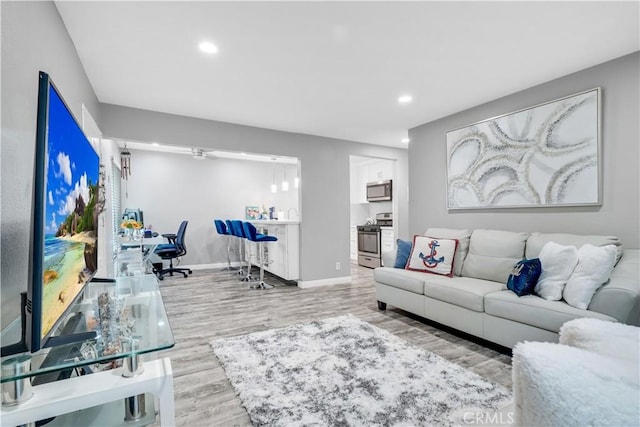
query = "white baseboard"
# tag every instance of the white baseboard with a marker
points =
(306, 284)
(212, 266)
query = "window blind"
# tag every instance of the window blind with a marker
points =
(116, 210)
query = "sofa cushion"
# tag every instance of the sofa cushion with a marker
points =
(465, 292)
(536, 241)
(535, 311)
(411, 281)
(432, 255)
(493, 253)
(462, 236)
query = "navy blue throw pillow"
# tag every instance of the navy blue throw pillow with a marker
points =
(402, 256)
(524, 276)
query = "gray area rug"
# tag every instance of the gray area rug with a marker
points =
(345, 372)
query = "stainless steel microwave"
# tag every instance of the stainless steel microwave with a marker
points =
(379, 191)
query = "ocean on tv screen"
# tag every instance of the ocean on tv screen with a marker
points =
(70, 255)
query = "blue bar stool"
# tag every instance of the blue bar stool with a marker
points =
(233, 232)
(251, 234)
(238, 230)
(221, 228)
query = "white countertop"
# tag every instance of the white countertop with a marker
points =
(275, 222)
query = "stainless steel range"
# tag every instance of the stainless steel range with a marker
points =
(369, 240)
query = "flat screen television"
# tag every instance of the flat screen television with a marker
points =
(64, 238)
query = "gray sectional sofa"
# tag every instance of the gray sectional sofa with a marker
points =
(476, 300)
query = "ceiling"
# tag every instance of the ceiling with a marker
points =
(336, 69)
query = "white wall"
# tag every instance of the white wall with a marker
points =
(324, 166)
(33, 38)
(170, 188)
(620, 212)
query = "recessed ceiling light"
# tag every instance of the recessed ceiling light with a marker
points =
(208, 47)
(405, 99)
(405, 140)
(155, 144)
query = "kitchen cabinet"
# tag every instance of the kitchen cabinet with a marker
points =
(380, 170)
(353, 244)
(363, 178)
(387, 240)
(282, 258)
(354, 185)
(376, 170)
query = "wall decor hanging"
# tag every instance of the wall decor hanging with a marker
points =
(125, 163)
(542, 156)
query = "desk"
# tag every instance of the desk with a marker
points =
(145, 241)
(136, 313)
(133, 255)
(152, 242)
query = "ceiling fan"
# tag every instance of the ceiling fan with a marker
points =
(200, 154)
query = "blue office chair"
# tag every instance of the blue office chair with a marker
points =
(251, 233)
(221, 228)
(172, 250)
(238, 231)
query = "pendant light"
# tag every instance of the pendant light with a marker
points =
(274, 187)
(285, 183)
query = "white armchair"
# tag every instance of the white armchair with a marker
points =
(591, 378)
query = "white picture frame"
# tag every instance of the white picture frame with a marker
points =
(548, 155)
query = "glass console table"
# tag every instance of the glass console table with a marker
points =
(129, 320)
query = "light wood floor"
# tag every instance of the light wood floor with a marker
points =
(212, 304)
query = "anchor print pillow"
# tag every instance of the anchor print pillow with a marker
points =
(432, 255)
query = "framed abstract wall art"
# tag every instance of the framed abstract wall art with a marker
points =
(251, 212)
(542, 156)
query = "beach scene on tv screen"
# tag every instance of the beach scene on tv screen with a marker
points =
(71, 217)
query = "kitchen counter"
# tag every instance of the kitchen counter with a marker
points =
(275, 222)
(282, 257)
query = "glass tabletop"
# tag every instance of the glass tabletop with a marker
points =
(127, 316)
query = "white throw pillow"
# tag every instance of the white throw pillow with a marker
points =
(595, 264)
(558, 262)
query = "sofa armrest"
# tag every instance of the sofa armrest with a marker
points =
(620, 297)
(388, 258)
